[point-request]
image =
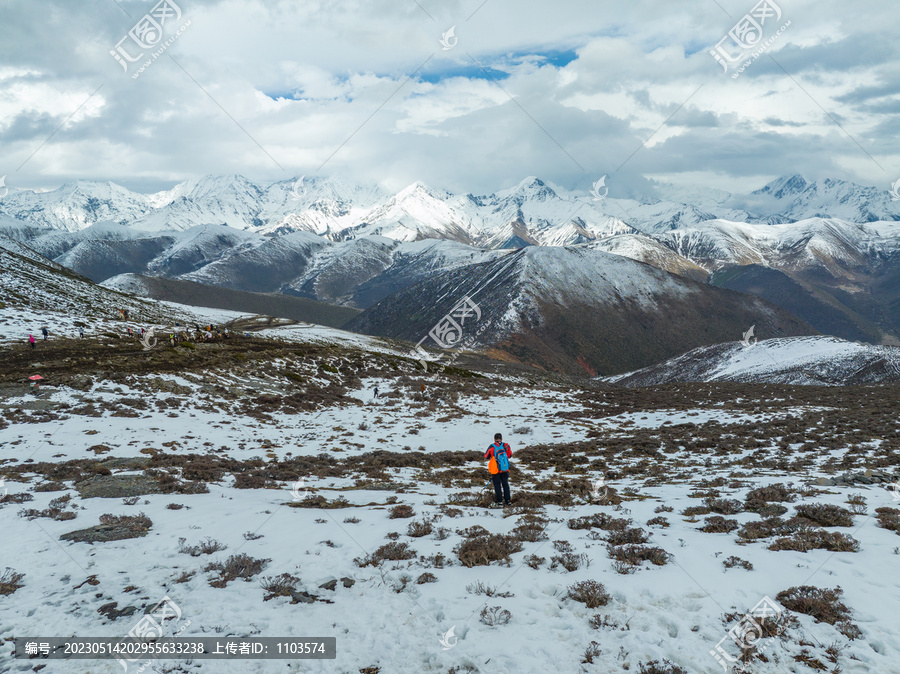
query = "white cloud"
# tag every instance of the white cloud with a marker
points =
(319, 79)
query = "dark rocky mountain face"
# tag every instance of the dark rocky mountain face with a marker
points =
(570, 310)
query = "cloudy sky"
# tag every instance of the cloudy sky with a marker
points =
(567, 90)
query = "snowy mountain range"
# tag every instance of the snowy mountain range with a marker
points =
(533, 211)
(826, 251)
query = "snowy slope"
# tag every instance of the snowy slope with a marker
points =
(831, 244)
(793, 360)
(35, 292)
(650, 251)
(793, 198)
(77, 205)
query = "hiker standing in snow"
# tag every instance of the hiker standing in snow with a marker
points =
(32, 341)
(499, 454)
(81, 332)
(45, 332)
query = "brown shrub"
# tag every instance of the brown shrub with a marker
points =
(418, 529)
(598, 521)
(402, 511)
(570, 561)
(764, 508)
(473, 531)
(237, 566)
(494, 615)
(530, 531)
(664, 667)
(392, 552)
(316, 501)
(426, 578)
(826, 515)
(534, 561)
(478, 587)
(888, 518)
(765, 528)
(21, 497)
(205, 547)
(823, 605)
(482, 550)
(10, 581)
(634, 535)
(733, 561)
(592, 651)
(251, 481)
(774, 492)
(56, 511)
(816, 539)
(50, 486)
(279, 586)
(590, 593)
(724, 506)
(139, 522)
(691, 511)
(635, 554)
(658, 522)
(719, 525)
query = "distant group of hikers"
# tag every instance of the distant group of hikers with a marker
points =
(32, 342)
(209, 333)
(131, 332)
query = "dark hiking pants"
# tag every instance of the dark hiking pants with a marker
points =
(501, 480)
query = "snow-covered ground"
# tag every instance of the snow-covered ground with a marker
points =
(386, 619)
